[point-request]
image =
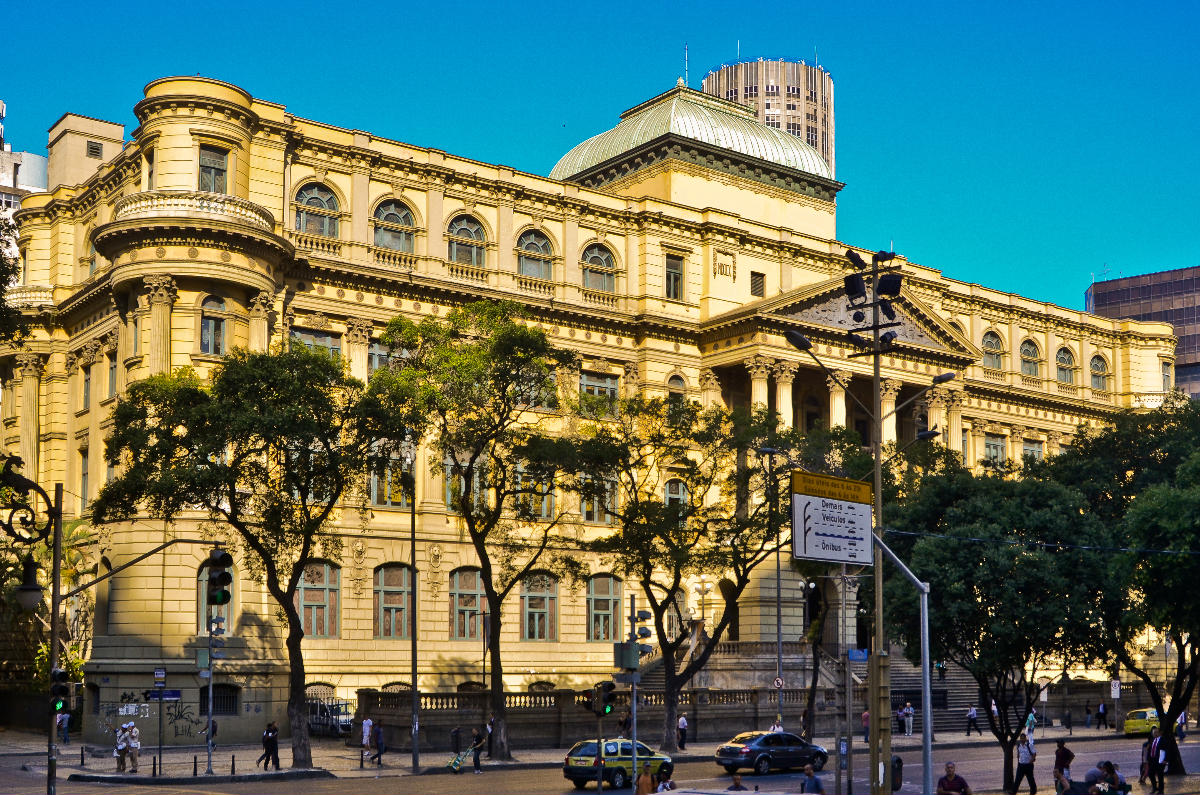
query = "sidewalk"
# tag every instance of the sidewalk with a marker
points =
(341, 761)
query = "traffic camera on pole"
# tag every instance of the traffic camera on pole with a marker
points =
(60, 688)
(219, 578)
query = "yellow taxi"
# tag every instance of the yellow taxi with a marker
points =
(1141, 721)
(616, 756)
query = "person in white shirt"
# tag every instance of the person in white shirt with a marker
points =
(777, 726)
(682, 727)
(367, 723)
(135, 746)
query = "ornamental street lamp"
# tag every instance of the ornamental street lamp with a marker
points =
(408, 449)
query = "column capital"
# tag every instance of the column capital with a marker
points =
(1054, 437)
(1018, 431)
(261, 304)
(161, 289)
(786, 371)
(955, 399)
(890, 388)
(709, 380)
(839, 380)
(760, 366)
(30, 364)
(358, 330)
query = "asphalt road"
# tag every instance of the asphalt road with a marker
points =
(981, 767)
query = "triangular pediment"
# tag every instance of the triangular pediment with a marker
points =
(824, 307)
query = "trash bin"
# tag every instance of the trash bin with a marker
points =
(897, 773)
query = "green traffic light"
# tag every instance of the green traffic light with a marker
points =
(58, 704)
(608, 708)
(221, 597)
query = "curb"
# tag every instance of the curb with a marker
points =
(287, 775)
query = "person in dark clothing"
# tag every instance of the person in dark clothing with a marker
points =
(377, 739)
(1155, 761)
(491, 725)
(456, 740)
(1101, 716)
(477, 743)
(270, 746)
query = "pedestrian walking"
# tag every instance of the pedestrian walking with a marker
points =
(1063, 757)
(477, 743)
(135, 746)
(810, 781)
(1101, 716)
(1087, 715)
(952, 783)
(626, 724)
(908, 718)
(122, 750)
(805, 729)
(973, 720)
(367, 723)
(899, 720)
(210, 736)
(1181, 726)
(270, 744)
(1156, 759)
(1067, 721)
(866, 724)
(681, 728)
(377, 739)
(1030, 722)
(777, 726)
(1026, 756)
(646, 784)
(491, 724)
(63, 723)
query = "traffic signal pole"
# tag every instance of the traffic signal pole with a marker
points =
(55, 628)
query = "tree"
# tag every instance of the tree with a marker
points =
(1009, 581)
(13, 325)
(480, 386)
(1141, 478)
(683, 488)
(267, 449)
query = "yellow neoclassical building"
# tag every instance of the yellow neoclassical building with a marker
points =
(671, 252)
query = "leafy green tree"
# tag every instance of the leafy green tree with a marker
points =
(13, 325)
(1009, 598)
(480, 387)
(1141, 478)
(267, 448)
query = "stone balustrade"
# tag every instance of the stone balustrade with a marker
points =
(189, 204)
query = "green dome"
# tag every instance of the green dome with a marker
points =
(688, 113)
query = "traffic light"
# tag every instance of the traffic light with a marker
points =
(60, 688)
(219, 578)
(606, 695)
(587, 700)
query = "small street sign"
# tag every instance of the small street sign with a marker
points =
(857, 655)
(203, 673)
(164, 695)
(1115, 687)
(160, 677)
(630, 678)
(778, 683)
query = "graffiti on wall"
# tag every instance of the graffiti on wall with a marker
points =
(181, 719)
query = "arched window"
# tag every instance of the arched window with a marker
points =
(539, 607)
(212, 326)
(1099, 373)
(676, 387)
(599, 269)
(393, 600)
(394, 227)
(1066, 366)
(676, 493)
(1030, 359)
(533, 255)
(603, 607)
(466, 604)
(317, 600)
(316, 211)
(466, 240)
(993, 351)
(203, 611)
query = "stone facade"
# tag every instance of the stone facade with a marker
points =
(226, 221)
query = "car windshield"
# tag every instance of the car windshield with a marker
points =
(586, 748)
(746, 737)
(644, 750)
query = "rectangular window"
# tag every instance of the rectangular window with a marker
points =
(812, 137)
(993, 448)
(387, 489)
(212, 335)
(675, 277)
(598, 393)
(393, 598)
(604, 607)
(1168, 381)
(597, 508)
(112, 376)
(84, 497)
(539, 608)
(95, 149)
(224, 699)
(1032, 449)
(965, 442)
(455, 484)
(536, 497)
(377, 356)
(317, 600)
(319, 340)
(758, 284)
(136, 334)
(467, 620)
(213, 165)
(87, 387)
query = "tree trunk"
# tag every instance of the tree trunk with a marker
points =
(297, 706)
(670, 741)
(1010, 771)
(816, 633)
(499, 711)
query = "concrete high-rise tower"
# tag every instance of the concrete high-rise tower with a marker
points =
(794, 96)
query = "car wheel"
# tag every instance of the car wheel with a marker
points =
(819, 762)
(762, 766)
(618, 779)
(730, 768)
(579, 784)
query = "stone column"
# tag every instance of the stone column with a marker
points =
(710, 386)
(888, 391)
(837, 396)
(935, 409)
(29, 367)
(161, 289)
(358, 342)
(1016, 442)
(977, 437)
(760, 371)
(785, 374)
(954, 404)
(260, 321)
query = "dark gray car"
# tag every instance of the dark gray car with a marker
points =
(766, 751)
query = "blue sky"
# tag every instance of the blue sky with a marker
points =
(1026, 146)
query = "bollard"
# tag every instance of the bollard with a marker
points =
(154, 767)
(195, 765)
(82, 757)
(232, 765)
(362, 755)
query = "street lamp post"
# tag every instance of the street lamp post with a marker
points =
(772, 507)
(408, 449)
(702, 589)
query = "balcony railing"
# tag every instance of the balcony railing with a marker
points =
(599, 298)
(1102, 395)
(993, 375)
(468, 273)
(30, 296)
(316, 243)
(391, 258)
(190, 204)
(534, 285)
(1068, 389)
(1032, 381)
